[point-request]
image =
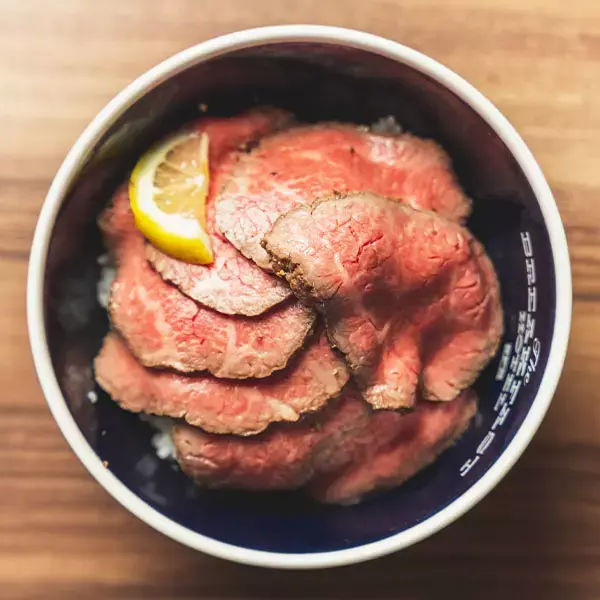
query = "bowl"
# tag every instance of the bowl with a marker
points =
(319, 73)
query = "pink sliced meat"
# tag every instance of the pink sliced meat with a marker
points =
(231, 284)
(301, 164)
(343, 453)
(409, 297)
(223, 406)
(164, 328)
(284, 457)
(394, 447)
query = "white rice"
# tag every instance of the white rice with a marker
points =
(162, 441)
(108, 273)
(104, 259)
(387, 126)
(163, 444)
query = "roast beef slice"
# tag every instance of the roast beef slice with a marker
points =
(342, 453)
(394, 447)
(296, 166)
(284, 457)
(410, 298)
(165, 328)
(231, 284)
(223, 406)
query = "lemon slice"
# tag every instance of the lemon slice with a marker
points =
(167, 190)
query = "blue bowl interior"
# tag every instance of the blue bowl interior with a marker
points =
(316, 82)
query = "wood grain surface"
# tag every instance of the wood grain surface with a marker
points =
(536, 536)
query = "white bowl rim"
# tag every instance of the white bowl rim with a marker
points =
(216, 47)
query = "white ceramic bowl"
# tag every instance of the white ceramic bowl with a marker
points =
(460, 114)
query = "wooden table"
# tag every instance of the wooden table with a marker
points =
(536, 536)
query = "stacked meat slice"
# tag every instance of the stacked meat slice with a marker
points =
(238, 381)
(266, 396)
(219, 405)
(165, 328)
(344, 454)
(408, 297)
(299, 165)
